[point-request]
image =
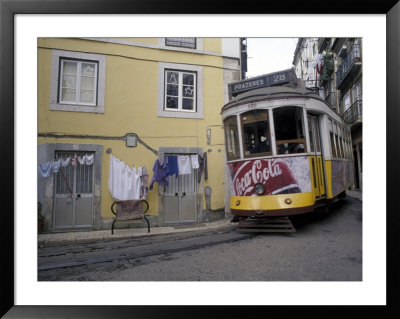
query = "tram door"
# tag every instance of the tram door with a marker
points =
(73, 194)
(318, 179)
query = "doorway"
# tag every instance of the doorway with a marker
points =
(316, 158)
(73, 193)
(180, 198)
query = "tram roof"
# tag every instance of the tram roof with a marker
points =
(272, 92)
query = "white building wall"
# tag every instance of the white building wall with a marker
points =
(231, 47)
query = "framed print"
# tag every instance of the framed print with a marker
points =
(22, 23)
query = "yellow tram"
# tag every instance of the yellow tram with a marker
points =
(287, 150)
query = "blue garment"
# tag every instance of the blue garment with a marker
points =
(45, 169)
(159, 173)
(172, 167)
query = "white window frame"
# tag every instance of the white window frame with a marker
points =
(180, 89)
(78, 80)
(162, 110)
(55, 104)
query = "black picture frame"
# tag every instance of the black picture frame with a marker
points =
(8, 10)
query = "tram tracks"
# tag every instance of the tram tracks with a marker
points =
(119, 250)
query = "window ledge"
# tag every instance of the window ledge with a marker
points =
(180, 114)
(76, 108)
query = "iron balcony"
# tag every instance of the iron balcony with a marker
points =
(353, 115)
(351, 63)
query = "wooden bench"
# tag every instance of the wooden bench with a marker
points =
(130, 210)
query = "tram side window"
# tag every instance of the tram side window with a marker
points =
(256, 134)
(339, 153)
(333, 148)
(232, 138)
(289, 134)
(310, 132)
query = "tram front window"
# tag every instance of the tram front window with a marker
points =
(232, 138)
(256, 135)
(289, 134)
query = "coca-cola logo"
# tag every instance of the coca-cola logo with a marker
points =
(274, 174)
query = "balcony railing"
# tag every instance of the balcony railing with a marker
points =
(353, 58)
(354, 113)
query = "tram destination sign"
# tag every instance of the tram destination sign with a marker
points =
(272, 79)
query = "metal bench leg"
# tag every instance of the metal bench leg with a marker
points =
(148, 224)
(112, 226)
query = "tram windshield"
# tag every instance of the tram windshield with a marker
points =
(256, 135)
(289, 131)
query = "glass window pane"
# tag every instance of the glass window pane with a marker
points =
(68, 95)
(172, 89)
(87, 83)
(256, 135)
(70, 67)
(172, 77)
(317, 140)
(187, 104)
(88, 69)
(172, 102)
(188, 79)
(232, 138)
(69, 81)
(187, 91)
(289, 133)
(311, 134)
(87, 96)
(333, 149)
(180, 92)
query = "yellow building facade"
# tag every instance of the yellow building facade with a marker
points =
(137, 99)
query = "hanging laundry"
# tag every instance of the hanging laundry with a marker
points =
(172, 167)
(143, 183)
(82, 159)
(159, 173)
(55, 165)
(195, 161)
(66, 162)
(74, 161)
(184, 164)
(123, 182)
(89, 160)
(45, 169)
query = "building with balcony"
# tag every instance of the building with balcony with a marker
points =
(131, 101)
(333, 67)
(348, 52)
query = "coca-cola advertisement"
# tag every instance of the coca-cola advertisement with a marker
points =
(277, 175)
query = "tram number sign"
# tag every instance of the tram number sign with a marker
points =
(279, 78)
(252, 105)
(273, 79)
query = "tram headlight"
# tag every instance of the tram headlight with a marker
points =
(259, 189)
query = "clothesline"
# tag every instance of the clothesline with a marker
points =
(178, 165)
(46, 168)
